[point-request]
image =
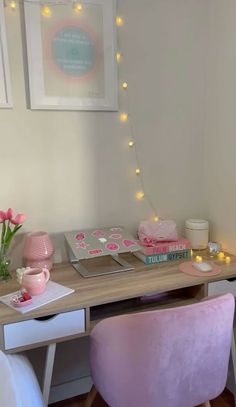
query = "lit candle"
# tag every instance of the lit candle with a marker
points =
(221, 255)
(198, 259)
(227, 259)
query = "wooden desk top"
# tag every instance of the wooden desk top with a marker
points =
(145, 279)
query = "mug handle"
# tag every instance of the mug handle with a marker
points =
(46, 274)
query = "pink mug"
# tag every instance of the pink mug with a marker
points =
(34, 280)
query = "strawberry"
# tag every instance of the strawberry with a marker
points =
(26, 296)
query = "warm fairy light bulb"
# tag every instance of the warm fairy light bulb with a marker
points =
(139, 195)
(46, 11)
(156, 218)
(78, 7)
(131, 143)
(137, 171)
(221, 255)
(119, 21)
(123, 117)
(118, 56)
(227, 259)
(124, 85)
(198, 259)
(13, 5)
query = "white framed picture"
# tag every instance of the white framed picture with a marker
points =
(71, 49)
(5, 85)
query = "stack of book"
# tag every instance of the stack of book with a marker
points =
(165, 251)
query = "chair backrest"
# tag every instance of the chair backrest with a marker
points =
(18, 384)
(174, 357)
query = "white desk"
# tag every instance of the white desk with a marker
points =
(94, 299)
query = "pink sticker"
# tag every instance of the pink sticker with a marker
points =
(95, 251)
(82, 245)
(112, 246)
(128, 243)
(115, 236)
(80, 236)
(98, 233)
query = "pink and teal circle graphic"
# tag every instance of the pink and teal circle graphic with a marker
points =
(74, 51)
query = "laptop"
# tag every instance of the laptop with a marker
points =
(86, 244)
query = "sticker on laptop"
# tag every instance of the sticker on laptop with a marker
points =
(95, 252)
(80, 236)
(112, 246)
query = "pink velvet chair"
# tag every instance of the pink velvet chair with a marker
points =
(176, 357)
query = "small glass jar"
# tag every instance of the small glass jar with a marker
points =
(197, 232)
(4, 263)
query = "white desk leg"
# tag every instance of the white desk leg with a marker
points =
(50, 356)
(233, 355)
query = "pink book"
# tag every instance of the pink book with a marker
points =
(165, 247)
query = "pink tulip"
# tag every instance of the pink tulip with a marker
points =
(2, 216)
(9, 214)
(19, 219)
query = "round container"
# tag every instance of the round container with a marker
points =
(197, 232)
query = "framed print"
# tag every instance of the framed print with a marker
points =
(5, 86)
(71, 50)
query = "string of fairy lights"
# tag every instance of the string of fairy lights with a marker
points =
(124, 116)
(46, 6)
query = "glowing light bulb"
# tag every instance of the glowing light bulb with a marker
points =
(78, 7)
(139, 195)
(125, 85)
(227, 259)
(118, 56)
(131, 143)
(156, 218)
(221, 255)
(123, 117)
(119, 21)
(198, 259)
(13, 5)
(137, 171)
(46, 11)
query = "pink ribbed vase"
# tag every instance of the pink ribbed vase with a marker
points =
(38, 250)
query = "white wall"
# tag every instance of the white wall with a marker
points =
(73, 169)
(220, 137)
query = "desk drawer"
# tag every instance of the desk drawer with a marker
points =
(39, 330)
(222, 287)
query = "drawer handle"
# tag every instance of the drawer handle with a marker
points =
(46, 318)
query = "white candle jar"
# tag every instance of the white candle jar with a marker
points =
(197, 232)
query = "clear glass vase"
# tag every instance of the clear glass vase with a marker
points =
(4, 264)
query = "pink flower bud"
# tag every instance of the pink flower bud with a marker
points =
(9, 214)
(2, 216)
(19, 219)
